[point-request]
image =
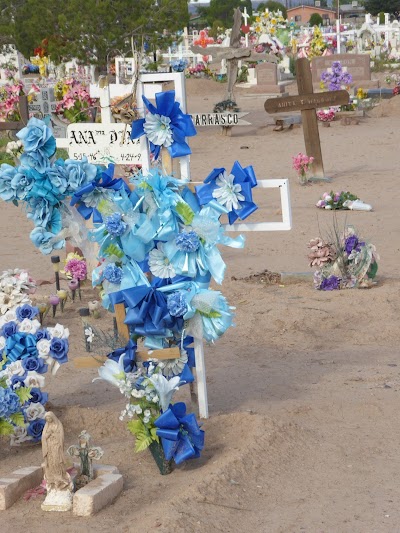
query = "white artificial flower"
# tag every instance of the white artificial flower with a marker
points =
(15, 369)
(159, 263)
(59, 331)
(10, 316)
(158, 130)
(139, 410)
(112, 372)
(2, 342)
(19, 436)
(89, 335)
(165, 388)
(43, 348)
(173, 367)
(147, 412)
(227, 193)
(34, 411)
(29, 326)
(33, 379)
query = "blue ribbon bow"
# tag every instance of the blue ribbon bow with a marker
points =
(181, 436)
(20, 346)
(129, 359)
(106, 181)
(181, 124)
(245, 177)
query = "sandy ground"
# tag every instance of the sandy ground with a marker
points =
(304, 427)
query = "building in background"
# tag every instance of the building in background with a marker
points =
(301, 14)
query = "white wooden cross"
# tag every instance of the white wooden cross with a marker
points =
(283, 184)
(246, 16)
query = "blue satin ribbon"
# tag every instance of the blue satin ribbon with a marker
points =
(129, 359)
(43, 188)
(20, 346)
(245, 177)
(106, 181)
(180, 434)
(181, 124)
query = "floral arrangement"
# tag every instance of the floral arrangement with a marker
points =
(203, 39)
(28, 352)
(302, 165)
(268, 22)
(344, 263)
(317, 45)
(74, 102)
(396, 90)
(200, 70)
(10, 70)
(326, 115)
(42, 184)
(179, 65)
(337, 200)
(361, 94)
(336, 78)
(30, 69)
(15, 288)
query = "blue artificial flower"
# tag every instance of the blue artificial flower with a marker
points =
(187, 241)
(79, 173)
(45, 240)
(26, 311)
(9, 403)
(58, 176)
(42, 334)
(35, 429)
(113, 273)
(59, 349)
(34, 364)
(165, 125)
(9, 329)
(176, 304)
(41, 211)
(23, 182)
(37, 138)
(7, 173)
(18, 381)
(115, 225)
(37, 396)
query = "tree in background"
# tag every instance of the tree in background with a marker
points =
(222, 10)
(315, 20)
(271, 5)
(387, 6)
(92, 30)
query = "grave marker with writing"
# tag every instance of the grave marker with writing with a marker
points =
(307, 102)
(219, 119)
(358, 65)
(267, 79)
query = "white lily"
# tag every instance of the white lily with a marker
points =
(112, 372)
(165, 388)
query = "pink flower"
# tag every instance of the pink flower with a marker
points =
(69, 103)
(76, 268)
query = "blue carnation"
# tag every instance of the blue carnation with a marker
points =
(113, 273)
(9, 403)
(9, 329)
(37, 396)
(26, 311)
(35, 429)
(187, 242)
(115, 225)
(59, 349)
(7, 173)
(176, 304)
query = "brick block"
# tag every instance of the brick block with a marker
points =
(97, 494)
(99, 469)
(17, 483)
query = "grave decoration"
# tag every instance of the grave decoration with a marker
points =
(326, 115)
(302, 165)
(343, 261)
(342, 200)
(28, 352)
(73, 100)
(86, 454)
(336, 78)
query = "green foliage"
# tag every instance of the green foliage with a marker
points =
(6, 428)
(271, 5)
(91, 31)
(382, 18)
(144, 435)
(216, 28)
(17, 419)
(386, 6)
(315, 20)
(184, 212)
(23, 393)
(222, 11)
(210, 314)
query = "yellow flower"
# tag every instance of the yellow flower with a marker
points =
(258, 19)
(273, 21)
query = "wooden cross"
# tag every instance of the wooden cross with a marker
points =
(308, 102)
(233, 53)
(246, 18)
(23, 113)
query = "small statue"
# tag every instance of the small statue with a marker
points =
(58, 481)
(86, 453)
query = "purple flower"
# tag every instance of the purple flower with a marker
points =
(187, 242)
(330, 284)
(26, 311)
(59, 349)
(35, 429)
(352, 243)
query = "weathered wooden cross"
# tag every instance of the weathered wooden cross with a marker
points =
(24, 117)
(308, 102)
